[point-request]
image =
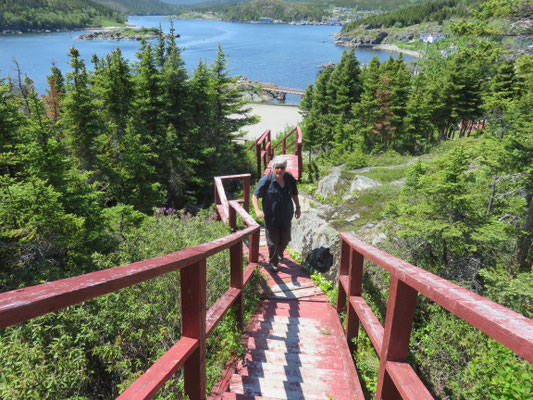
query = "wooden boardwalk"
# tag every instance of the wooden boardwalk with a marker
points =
(295, 345)
(292, 165)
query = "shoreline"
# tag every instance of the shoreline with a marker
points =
(396, 49)
(276, 117)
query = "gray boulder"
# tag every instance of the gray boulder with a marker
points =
(363, 182)
(326, 185)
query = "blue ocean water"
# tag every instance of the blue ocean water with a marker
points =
(288, 55)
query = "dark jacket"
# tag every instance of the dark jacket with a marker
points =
(277, 201)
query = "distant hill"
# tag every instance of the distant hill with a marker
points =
(25, 15)
(384, 5)
(143, 7)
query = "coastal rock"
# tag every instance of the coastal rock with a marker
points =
(326, 185)
(363, 182)
(263, 92)
(113, 35)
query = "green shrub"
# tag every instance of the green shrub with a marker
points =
(98, 348)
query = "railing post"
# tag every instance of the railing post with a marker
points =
(253, 250)
(343, 271)
(299, 150)
(398, 324)
(193, 309)
(217, 202)
(232, 218)
(355, 286)
(246, 192)
(237, 280)
(258, 160)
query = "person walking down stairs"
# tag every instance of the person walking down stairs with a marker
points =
(279, 191)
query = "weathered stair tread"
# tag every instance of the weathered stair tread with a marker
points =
(295, 344)
(308, 360)
(290, 373)
(286, 390)
(239, 396)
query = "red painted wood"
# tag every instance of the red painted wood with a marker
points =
(398, 325)
(344, 269)
(407, 381)
(247, 274)
(237, 281)
(193, 312)
(295, 347)
(506, 326)
(372, 326)
(355, 285)
(148, 384)
(217, 310)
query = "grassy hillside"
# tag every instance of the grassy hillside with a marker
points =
(25, 15)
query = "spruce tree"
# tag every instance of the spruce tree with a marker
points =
(81, 122)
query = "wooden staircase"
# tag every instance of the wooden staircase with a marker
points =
(295, 345)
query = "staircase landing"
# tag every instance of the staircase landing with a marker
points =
(295, 345)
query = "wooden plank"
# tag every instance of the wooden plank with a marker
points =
(349, 371)
(193, 315)
(219, 187)
(149, 383)
(372, 326)
(502, 324)
(398, 325)
(217, 310)
(247, 274)
(407, 381)
(23, 304)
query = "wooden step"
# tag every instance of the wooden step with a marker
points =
(282, 389)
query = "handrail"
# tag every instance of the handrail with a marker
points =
(396, 376)
(197, 323)
(265, 152)
(221, 201)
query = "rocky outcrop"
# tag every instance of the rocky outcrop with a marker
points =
(114, 35)
(361, 182)
(326, 185)
(311, 232)
(262, 92)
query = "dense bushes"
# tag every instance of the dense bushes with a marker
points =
(96, 349)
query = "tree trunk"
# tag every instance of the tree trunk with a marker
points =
(524, 242)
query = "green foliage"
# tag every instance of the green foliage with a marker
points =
(98, 348)
(274, 9)
(437, 10)
(57, 14)
(476, 367)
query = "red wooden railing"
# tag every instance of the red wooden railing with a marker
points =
(265, 152)
(397, 378)
(197, 323)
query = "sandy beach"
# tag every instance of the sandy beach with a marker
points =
(277, 118)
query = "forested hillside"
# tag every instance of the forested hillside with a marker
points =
(24, 15)
(96, 173)
(439, 10)
(275, 9)
(140, 7)
(466, 212)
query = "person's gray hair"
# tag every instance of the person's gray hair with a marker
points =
(279, 160)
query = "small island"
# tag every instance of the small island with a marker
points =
(127, 33)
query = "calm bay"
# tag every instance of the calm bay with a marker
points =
(287, 55)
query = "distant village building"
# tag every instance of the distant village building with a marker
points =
(333, 21)
(265, 20)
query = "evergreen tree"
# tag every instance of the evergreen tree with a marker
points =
(81, 123)
(418, 125)
(317, 128)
